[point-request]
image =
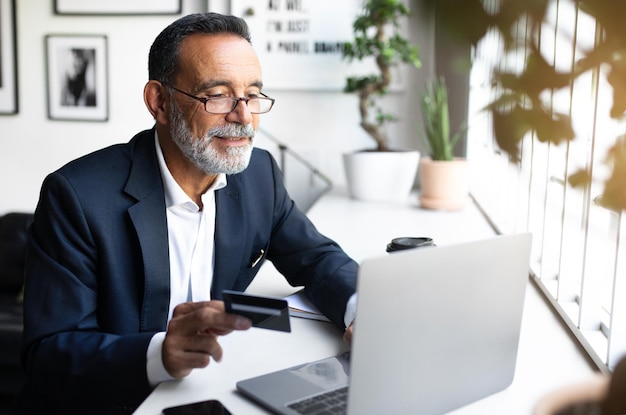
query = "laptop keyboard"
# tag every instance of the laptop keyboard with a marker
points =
(327, 403)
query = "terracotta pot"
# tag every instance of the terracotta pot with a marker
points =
(444, 184)
(381, 176)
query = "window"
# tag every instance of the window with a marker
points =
(579, 254)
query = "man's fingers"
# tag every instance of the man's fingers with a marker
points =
(218, 320)
(191, 337)
(347, 335)
(180, 356)
(206, 317)
(186, 308)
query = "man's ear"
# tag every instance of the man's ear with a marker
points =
(155, 99)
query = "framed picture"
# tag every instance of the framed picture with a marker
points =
(77, 77)
(117, 7)
(303, 36)
(8, 58)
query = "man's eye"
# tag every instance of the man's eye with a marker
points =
(215, 96)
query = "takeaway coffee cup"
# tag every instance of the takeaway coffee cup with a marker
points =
(404, 243)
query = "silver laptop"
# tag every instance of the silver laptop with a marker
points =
(437, 328)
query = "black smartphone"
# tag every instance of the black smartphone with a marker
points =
(211, 407)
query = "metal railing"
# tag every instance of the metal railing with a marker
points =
(304, 182)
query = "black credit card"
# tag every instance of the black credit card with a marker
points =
(265, 312)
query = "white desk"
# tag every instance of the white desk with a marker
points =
(547, 356)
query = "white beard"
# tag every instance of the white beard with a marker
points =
(203, 154)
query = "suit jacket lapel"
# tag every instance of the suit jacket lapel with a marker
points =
(230, 236)
(149, 218)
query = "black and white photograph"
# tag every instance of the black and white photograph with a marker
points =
(77, 77)
(117, 7)
(8, 58)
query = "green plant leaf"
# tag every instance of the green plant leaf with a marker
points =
(437, 137)
(509, 129)
(376, 36)
(580, 178)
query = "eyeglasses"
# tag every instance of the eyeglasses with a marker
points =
(226, 105)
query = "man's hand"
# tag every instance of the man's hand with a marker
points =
(191, 337)
(347, 335)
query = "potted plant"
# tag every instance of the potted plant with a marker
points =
(443, 177)
(377, 36)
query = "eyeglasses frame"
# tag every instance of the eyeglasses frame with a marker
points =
(235, 100)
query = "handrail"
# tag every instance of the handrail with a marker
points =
(304, 201)
(284, 149)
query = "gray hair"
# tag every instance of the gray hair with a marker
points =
(163, 57)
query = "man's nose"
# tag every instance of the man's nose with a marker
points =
(240, 114)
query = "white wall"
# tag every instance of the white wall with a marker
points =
(318, 125)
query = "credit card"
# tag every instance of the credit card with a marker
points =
(265, 312)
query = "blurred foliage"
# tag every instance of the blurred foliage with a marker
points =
(518, 109)
(372, 40)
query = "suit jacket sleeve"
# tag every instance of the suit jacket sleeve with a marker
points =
(85, 337)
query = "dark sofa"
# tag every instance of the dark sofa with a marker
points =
(13, 240)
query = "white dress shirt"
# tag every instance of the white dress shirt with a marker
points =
(191, 233)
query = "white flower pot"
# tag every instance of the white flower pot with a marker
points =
(381, 176)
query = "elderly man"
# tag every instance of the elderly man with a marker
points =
(132, 245)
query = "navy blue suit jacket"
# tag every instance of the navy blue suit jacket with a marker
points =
(97, 283)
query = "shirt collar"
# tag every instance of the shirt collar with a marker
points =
(174, 194)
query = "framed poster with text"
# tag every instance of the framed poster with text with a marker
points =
(299, 42)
